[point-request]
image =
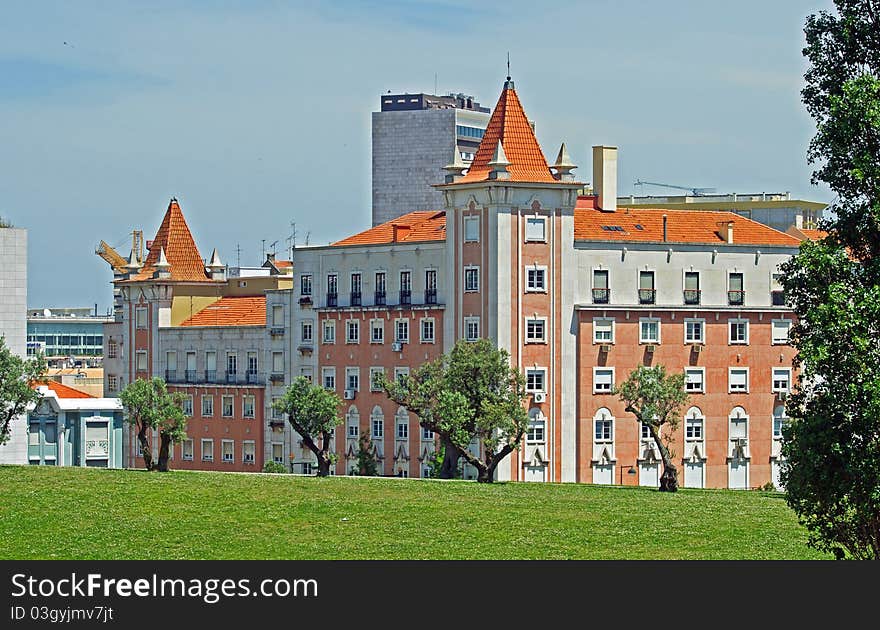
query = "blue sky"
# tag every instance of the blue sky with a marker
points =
(256, 114)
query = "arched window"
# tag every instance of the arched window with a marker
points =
(352, 423)
(694, 423)
(537, 427)
(377, 423)
(779, 421)
(402, 422)
(603, 425)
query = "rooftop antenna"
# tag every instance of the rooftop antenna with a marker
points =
(264, 251)
(291, 240)
(435, 84)
(238, 253)
(508, 65)
(308, 234)
(272, 245)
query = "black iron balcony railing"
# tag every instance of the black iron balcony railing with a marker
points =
(211, 376)
(231, 376)
(430, 296)
(736, 298)
(332, 299)
(170, 376)
(355, 298)
(691, 296)
(254, 378)
(379, 298)
(190, 376)
(647, 296)
(601, 296)
(406, 296)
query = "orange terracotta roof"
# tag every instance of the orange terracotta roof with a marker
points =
(683, 226)
(814, 235)
(284, 263)
(414, 227)
(180, 249)
(232, 311)
(61, 390)
(509, 124)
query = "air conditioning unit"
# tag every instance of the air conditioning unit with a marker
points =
(396, 346)
(782, 394)
(540, 397)
(605, 347)
(348, 394)
(698, 347)
(650, 348)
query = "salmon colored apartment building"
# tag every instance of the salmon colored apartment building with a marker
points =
(577, 289)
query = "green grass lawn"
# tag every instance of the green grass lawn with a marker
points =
(78, 513)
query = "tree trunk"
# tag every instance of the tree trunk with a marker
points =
(164, 447)
(486, 474)
(669, 477)
(146, 448)
(449, 469)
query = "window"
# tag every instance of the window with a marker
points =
(603, 380)
(428, 330)
(406, 287)
(248, 406)
(276, 413)
(691, 287)
(471, 279)
(601, 291)
(228, 447)
(536, 278)
(227, 406)
(379, 297)
(355, 289)
(377, 331)
(402, 430)
(207, 450)
(375, 373)
(231, 364)
(188, 406)
(187, 450)
(781, 380)
(307, 468)
(306, 373)
(352, 331)
(401, 328)
(141, 358)
(306, 331)
(780, 421)
(781, 328)
(649, 330)
(535, 330)
(647, 295)
(352, 378)
(693, 426)
(248, 452)
(112, 383)
(536, 431)
(329, 331)
(378, 427)
(471, 229)
(210, 366)
(739, 331)
(471, 328)
(400, 374)
(694, 330)
(278, 362)
(207, 406)
(251, 363)
(305, 285)
(329, 378)
(738, 380)
(332, 283)
(603, 331)
(536, 228)
(535, 380)
(694, 380)
(604, 429)
(111, 350)
(431, 286)
(735, 293)
(140, 315)
(278, 452)
(353, 428)
(777, 293)
(427, 434)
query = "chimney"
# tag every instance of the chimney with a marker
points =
(605, 177)
(664, 228)
(730, 232)
(399, 232)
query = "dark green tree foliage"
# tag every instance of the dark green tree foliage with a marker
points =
(655, 398)
(17, 376)
(367, 464)
(313, 412)
(471, 394)
(150, 407)
(832, 447)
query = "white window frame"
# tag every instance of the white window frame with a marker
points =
(307, 331)
(603, 439)
(348, 330)
(400, 372)
(702, 324)
(187, 405)
(305, 285)
(730, 372)
(647, 320)
(690, 421)
(140, 317)
(471, 222)
(328, 372)
(536, 269)
(353, 372)
(603, 390)
(535, 220)
(205, 397)
(223, 458)
(224, 398)
(248, 398)
(280, 458)
(738, 321)
(202, 449)
(467, 323)
(377, 427)
(775, 340)
(787, 372)
(329, 326)
(141, 363)
(422, 323)
(244, 457)
(374, 371)
(401, 435)
(377, 325)
(537, 424)
(543, 326)
(696, 370)
(277, 362)
(543, 377)
(397, 324)
(474, 271)
(277, 315)
(596, 322)
(183, 445)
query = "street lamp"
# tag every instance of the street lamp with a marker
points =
(631, 471)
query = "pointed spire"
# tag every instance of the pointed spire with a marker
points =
(216, 269)
(498, 165)
(134, 264)
(215, 260)
(162, 267)
(563, 165)
(455, 170)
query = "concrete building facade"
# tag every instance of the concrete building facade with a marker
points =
(13, 322)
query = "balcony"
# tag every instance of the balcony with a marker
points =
(231, 377)
(254, 378)
(736, 298)
(601, 296)
(190, 376)
(332, 299)
(276, 377)
(170, 376)
(277, 331)
(379, 298)
(777, 298)
(354, 298)
(430, 296)
(306, 299)
(647, 296)
(405, 296)
(210, 376)
(691, 296)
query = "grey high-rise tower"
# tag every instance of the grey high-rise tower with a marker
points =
(414, 137)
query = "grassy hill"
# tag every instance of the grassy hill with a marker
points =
(119, 514)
